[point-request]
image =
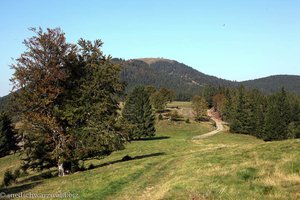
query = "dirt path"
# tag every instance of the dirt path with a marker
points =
(215, 117)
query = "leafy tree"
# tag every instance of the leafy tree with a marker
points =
(158, 101)
(8, 137)
(200, 107)
(160, 98)
(67, 99)
(138, 113)
(150, 89)
(218, 102)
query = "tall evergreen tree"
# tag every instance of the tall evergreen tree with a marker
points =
(8, 137)
(138, 113)
(242, 113)
(277, 117)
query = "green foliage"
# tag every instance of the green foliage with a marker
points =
(160, 98)
(273, 117)
(138, 113)
(277, 117)
(9, 178)
(8, 137)
(200, 107)
(160, 117)
(67, 97)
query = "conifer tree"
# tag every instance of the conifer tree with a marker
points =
(241, 113)
(138, 113)
(277, 117)
(8, 137)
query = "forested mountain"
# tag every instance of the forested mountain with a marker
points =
(184, 80)
(272, 84)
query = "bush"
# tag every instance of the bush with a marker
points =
(91, 166)
(9, 178)
(17, 173)
(47, 174)
(187, 121)
(201, 119)
(175, 116)
(160, 117)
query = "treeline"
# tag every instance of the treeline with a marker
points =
(269, 117)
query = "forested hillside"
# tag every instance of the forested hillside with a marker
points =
(184, 80)
(272, 84)
(187, 82)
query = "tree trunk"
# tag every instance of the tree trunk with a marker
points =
(61, 170)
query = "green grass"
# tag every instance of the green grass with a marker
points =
(172, 166)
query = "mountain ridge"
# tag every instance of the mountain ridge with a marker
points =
(162, 72)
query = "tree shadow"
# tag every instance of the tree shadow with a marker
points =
(19, 188)
(128, 158)
(152, 138)
(38, 177)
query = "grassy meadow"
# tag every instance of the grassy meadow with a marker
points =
(172, 166)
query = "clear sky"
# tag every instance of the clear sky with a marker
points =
(235, 40)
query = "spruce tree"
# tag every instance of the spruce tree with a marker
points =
(8, 137)
(138, 113)
(241, 113)
(277, 117)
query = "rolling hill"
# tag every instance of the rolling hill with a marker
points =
(274, 83)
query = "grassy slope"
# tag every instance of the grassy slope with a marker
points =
(225, 166)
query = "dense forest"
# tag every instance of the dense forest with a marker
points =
(269, 117)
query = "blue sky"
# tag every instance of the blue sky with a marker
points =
(235, 40)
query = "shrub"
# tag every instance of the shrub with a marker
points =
(175, 116)
(47, 174)
(9, 178)
(187, 121)
(160, 117)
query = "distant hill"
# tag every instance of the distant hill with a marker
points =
(159, 72)
(271, 84)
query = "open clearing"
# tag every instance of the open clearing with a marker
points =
(172, 166)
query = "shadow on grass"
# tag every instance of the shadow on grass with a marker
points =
(128, 158)
(19, 188)
(41, 176)
(152, 138)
